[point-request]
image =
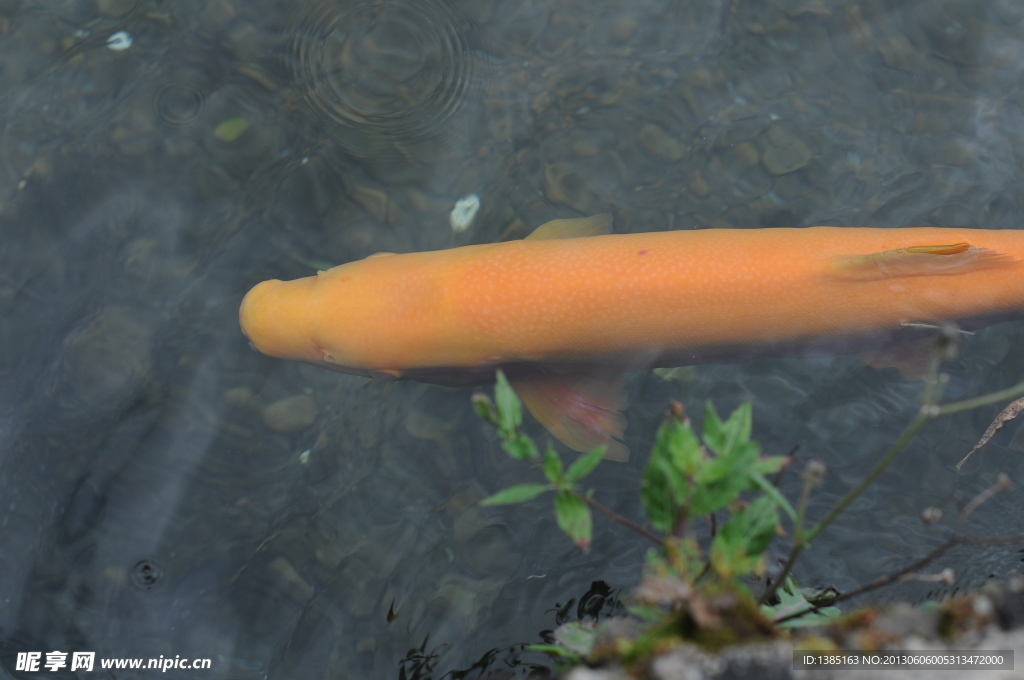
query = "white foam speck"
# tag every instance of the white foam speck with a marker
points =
(463, 213)
(120, 41)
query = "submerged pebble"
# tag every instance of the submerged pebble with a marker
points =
(784, 152)
(290, 414)
(657, 142)
(104, 364)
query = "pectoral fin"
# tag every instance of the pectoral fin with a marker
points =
(575, 228)
(911, 358)
(581, 412)
(935, 260)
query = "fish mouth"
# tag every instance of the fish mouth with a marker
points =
(274, 325)
(248, 311)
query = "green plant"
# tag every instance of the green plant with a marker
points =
(688, 477)
(570, 505)
(684, 479)
(701, 592)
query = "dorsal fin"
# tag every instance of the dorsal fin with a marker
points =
(934, 260)
(579, 227)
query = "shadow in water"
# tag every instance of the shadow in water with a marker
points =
(516, 661)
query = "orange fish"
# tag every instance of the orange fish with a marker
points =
(567, 311)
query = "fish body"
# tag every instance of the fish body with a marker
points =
(571, 314)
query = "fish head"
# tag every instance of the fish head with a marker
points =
(326, 320)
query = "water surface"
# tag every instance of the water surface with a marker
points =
(167, 491)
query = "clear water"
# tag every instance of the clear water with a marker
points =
(149, 507)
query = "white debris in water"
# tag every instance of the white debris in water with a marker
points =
(463, 213)
(120, 41)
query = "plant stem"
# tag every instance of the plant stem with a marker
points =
(1007, 539)
(984, 400)
(616, 517)
(932, 392)
(886, 580)
(801, 509)
(896, 449)
(929, 394)
(791, 456)
(794, 554)
(1001, 484)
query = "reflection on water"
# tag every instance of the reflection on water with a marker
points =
(167, 491)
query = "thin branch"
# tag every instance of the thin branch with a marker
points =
(679, 525)
(1001, 484)
(934, 384)
(616, 517)
(794, 555)
(788, 612)
(790, 458)
(1006, 539)
(895, 450)
(892, 578)
(984, 400)
(946, 577)
(713, 526)
(929, 395)
(800, 543)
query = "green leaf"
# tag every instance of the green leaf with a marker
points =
(722, 437)
(763, 518)
(714, 470)
(681, 446)
(484, 408)
(714, 435)
(521, 448)
(715, 496)
(552, 465)
(646, 612)
(665, 486)
(820, 617)
(555, 650)
(769, 465)
(231, 129)
(656, 494)
(573, 517)
(576, 637)
(737, 547)
(722, 479)
(510, 411)
(582, 466)
(791, 601)
(516, 494)
(769, 490)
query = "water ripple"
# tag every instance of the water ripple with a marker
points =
(178, 104)
(397, 68)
